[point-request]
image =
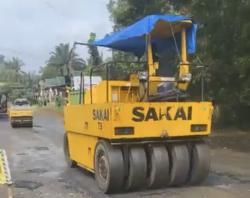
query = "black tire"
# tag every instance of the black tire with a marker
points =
(180, 164)
(137, 170)
(200, 163)
(13, 125)
(70, 163)
(158, 166)
(109, 167)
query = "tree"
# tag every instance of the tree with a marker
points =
(59, 61)
(223, 45)
(95, 58)
(15, 64)
(225, 38)
(2, 57)
(125, 12)
(49, 72)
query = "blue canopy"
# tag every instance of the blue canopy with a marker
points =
(132, 38)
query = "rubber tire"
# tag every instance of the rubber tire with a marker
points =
(70, 163)
(116, 167)
(200, 163)
(180, 164)
(158, 160)
(137, 171)
(31, 124)
(13, 125)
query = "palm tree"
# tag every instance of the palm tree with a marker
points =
(14, 64)
(62, 56)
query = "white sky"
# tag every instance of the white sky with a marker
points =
(30, 29)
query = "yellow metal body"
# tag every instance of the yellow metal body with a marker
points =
(160, 119)
(154, 80)
(86, 123)
(15, 112)
(111, 106)
(184, 65)
(20, 116)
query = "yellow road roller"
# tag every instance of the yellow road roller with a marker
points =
(21, 113)
(143, 131)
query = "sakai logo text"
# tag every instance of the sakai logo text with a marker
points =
(168, 113)
(100, 114)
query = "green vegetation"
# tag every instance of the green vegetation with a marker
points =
(14, 81)
(223, 46)
(10, 70)
(95, 58)
(59, 60)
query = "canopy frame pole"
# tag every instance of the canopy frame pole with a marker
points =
(183, 46)
(107, 83)
(149, 61)
(91, 91)
(184, 77)
(175, 42)
(81, 81)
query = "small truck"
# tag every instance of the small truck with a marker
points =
(21, 114)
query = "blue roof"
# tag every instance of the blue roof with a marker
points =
(132, 38)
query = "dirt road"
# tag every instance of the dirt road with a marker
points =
(39, 170)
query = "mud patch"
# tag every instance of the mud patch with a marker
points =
(30, 185)
(157, 193)
(236, 178)
(36, 171)
(61, 180)
(77, 190)
(224, 180)
(35, 131)
(230, 139)
(215, 180)
(41, 148)
(21, 154)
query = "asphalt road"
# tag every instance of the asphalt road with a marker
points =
(39, 170)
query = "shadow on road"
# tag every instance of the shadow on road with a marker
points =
(3, 117)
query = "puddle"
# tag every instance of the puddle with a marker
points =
(30, 185)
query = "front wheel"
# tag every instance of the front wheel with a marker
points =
(200, 163)
(109, 167)
(70, 162)
(13, 125)
(31, 124)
